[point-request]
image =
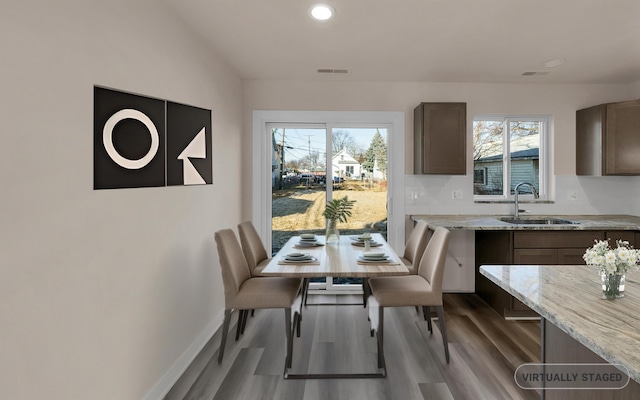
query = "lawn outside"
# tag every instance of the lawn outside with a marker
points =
(299, 210)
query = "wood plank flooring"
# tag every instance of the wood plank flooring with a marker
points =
(485, 351)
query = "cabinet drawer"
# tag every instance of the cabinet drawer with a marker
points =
(629, 236)
(535, 256)
(555, 239)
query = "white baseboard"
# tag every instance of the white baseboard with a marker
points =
(162, 387)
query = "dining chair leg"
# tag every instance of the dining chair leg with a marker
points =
(366, 291)
(225, 330)
(244, 321)
(418, 310)
(305, 290)
(427, 316)
(443, 331)
(381, 362)
(299, 313)
(239, 324)
(289, 332)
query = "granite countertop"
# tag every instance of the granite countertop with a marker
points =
(493, 222)
(570, 297)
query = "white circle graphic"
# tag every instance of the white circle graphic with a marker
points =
(107, 138)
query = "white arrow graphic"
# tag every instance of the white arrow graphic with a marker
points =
(196, 149)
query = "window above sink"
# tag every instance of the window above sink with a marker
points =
(525, 140)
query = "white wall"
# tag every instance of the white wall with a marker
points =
(104, 294)
(432, 194)
(634, 90)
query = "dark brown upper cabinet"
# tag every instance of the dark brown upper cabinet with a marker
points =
(440, 138)
(608, 139)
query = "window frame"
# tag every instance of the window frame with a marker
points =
(543, 157)
(484, 171)
(261, 166)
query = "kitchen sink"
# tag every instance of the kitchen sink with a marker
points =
(538, 221)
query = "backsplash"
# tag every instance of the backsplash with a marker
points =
(570, 194)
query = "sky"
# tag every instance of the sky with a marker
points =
(301, 141)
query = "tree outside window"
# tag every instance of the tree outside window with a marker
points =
(521, 138)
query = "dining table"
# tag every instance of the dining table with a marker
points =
(346, 258)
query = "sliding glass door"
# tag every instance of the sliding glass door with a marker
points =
(314, 163)
(298, 181)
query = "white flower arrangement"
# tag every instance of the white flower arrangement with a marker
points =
(621, 260)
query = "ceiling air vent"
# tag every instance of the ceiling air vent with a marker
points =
(534, 73)
(333, 71)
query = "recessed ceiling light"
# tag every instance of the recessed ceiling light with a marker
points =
(554, 63)
(534, 73)
(333, 71)
(322, 12)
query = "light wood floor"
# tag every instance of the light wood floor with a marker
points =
(485, 351)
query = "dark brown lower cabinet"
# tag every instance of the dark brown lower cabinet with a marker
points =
(560, 348)
(567, 256)
(532, 247)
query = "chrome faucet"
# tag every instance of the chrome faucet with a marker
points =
(516, 214)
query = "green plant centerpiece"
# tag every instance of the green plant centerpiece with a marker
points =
(337, 210)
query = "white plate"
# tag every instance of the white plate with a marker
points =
(299, 260)
(374, 261)
(375, 258)
(361, 244)
(307, 244)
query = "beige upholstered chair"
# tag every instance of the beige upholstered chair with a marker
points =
(423, 289)
(414, 248)
(253, 248)
(242, 292)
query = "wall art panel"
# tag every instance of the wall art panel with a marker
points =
(141, 141)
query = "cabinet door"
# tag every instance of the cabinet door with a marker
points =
(622, 139)
(440, 138)
(535, 256)
(571, 256)
(590, 125)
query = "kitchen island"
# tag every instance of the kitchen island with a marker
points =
(578, 326)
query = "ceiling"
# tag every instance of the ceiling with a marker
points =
(492, 41)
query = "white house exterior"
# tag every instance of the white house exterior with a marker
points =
(378, 175)
(345, 166)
